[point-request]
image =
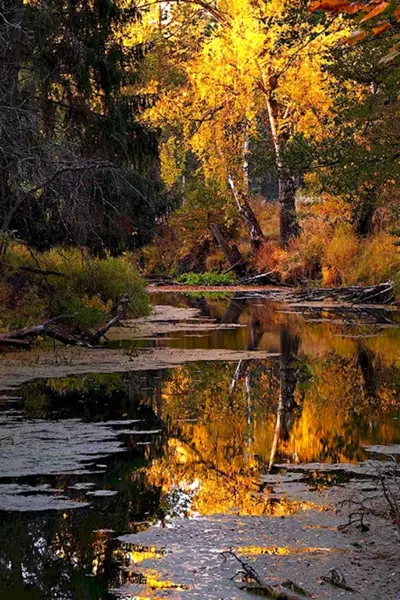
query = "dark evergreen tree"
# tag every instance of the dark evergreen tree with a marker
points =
(76, 166)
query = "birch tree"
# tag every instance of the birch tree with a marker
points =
(239, 62)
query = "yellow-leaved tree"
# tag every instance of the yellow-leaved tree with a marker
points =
(221, 69)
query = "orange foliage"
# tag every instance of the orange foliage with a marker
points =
(327, 249)
(383, 15)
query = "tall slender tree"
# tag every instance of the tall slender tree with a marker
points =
(237, 61)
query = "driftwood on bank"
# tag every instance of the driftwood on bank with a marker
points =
(270, 278)
(26, 337)
(160, 280)
(232, 253)
(383, 293)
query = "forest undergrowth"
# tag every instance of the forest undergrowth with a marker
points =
(84, 291)
(327, 252)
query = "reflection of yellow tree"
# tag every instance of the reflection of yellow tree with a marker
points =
(223, 452)
(224, 483)
(339, 414)
(216, 452)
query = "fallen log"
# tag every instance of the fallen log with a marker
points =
(31, 332)
(232, 253)
(383, 293)
(45, 272)
(270, 278)
(13, 342)
(27, 336)
(96, 337)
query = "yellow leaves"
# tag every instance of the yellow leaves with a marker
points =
(209, 84)
(137, 554)
(171, 162)
(96, 302)
(308, 88)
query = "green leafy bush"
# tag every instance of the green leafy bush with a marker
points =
(207, 279)
(87, 289)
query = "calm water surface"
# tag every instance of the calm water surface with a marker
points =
(86, 459)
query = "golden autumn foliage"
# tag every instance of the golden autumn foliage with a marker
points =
(329, 251)
(216, 70)
(217, 449)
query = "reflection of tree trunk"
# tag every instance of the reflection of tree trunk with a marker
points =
(248, 446)
(367, 369)
(16, 570)
(243, 367)
(240, 372)
(158, 392)
(234, 310)
(200, 304)
(287, 403)
(256, 333)
(131, 386)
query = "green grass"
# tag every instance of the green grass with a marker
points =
(207, 279)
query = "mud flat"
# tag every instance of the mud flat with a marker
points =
(18, 368)
(305, 547)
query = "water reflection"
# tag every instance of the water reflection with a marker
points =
(287, 389)
(319, 329)
(195, 438)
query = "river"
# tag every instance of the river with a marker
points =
(98, 467)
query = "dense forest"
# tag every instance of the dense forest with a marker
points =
(209, 137)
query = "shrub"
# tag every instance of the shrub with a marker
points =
(207, 279)
(215, 261)
(330, 250)
(341, 253)
(88, 288)
(378, 260)
(308, 249)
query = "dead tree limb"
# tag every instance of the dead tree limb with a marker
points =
(383, 293)
(270, 278)
(95, 339)
(232, 253)
(336, 578)
(278, 591)
(12, 342)
(26, 337)
(32, 332)
(45, 272)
